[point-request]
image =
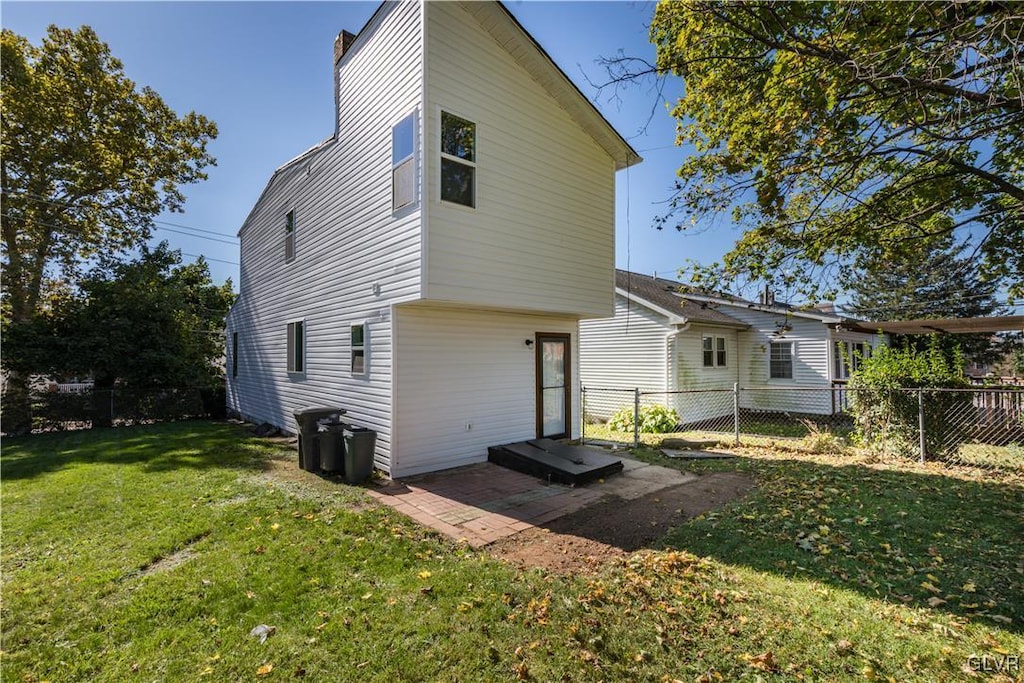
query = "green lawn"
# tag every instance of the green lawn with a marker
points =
(149, 553)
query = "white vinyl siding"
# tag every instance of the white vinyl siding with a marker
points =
(357, 257)
(624, 352)
(542, 234)
(465, 380)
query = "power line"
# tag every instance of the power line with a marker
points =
(202, 237)
(68, 205)
(57, 227)
(210, 258)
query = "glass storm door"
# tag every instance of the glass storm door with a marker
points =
(553, 386)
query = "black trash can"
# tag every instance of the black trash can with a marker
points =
(309, 446)
(359, 448)
(332, 446)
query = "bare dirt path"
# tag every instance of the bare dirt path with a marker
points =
(585, 540)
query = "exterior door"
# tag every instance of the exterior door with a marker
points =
(554, 386)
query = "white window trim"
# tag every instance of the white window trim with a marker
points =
(847, 355)
(714, 352)
(441, 155)
(365, 347)
(289, 347)
(792, 361)
(234, 354)
(414, 157)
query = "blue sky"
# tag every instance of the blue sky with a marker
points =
(263, 72)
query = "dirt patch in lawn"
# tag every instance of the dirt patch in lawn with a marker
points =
(585, 540)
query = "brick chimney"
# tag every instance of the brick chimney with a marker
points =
(341, 45)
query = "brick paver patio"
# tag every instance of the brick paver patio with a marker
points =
(483, 503)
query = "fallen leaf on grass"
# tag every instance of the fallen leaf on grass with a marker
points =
(936, 601)
(424, 574)
(265, 669)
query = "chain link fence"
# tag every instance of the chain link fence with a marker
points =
(83, 408)
(979, 426)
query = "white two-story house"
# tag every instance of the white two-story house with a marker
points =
(426, 266)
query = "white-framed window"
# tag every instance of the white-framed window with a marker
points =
(358, 348)
(847, 357)
(715, 355)
(289, 235)
(296, 346)
(780, 360)
(458, 160)
(234, 354)
(403, 163)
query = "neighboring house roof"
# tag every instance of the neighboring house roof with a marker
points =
(677, 299)
(664, 295)
(1003, 323)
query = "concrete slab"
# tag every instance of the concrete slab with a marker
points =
(695, 455)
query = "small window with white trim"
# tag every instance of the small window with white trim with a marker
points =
(234, 354)
(359, 349)
(289, 236)
(715, 355)
(458, 160)
(403, 163)
(781, 360)
(296, 346)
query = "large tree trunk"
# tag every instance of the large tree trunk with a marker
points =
(17, 404)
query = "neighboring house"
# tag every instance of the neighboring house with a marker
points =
(426, 266)
(664, 340)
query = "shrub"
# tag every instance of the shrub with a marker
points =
(885, 406)
(654, 419)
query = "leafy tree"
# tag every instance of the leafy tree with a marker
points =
(887, 410)
(944, 283)
(87, 160)
(147, 324)
(837, 132)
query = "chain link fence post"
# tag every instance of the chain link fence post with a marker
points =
(736, 412)
(636, 417)
(583, 415)
(920, 423)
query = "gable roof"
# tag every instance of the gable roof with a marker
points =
(664, 295)
(510, 34)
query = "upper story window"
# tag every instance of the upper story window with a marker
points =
(458, 160)
(714, 352)
(847, 357)
(289, 236)
(359, 349)
(296, 346)
(403, 163)
(781, 360)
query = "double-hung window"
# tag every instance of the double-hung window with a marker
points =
(403, 163)
(289, 236)
(458, 160)
(847, 357)
(781, 360)
(715, 355)
(296, 346)
(359, 349)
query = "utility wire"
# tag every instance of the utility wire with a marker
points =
(57, 227)
(68, 205)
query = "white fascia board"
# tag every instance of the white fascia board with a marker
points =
(673, 318)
